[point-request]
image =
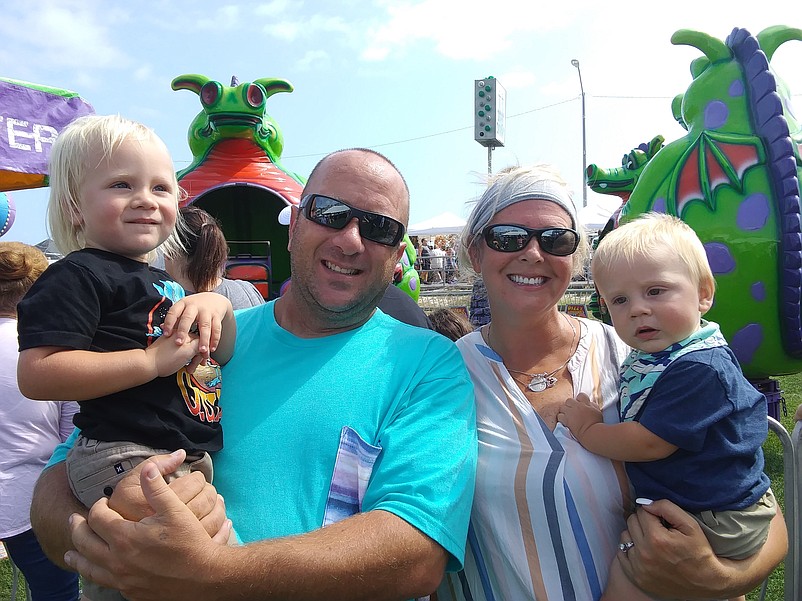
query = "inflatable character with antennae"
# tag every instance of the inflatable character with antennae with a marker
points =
(734, 178)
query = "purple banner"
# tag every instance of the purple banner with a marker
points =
(30, 121)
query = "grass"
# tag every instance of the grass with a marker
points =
(791, 387)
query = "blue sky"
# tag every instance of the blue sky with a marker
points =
(396, 76)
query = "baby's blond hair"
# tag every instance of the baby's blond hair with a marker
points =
(69, 164)
(647, 234)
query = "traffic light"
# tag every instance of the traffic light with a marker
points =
(489, 112)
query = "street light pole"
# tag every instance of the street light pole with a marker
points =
(575, 63)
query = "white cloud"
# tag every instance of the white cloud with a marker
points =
(143, 73)
(290, 29)
(225, 17)
(312, 58)
(64, 33)
(461, 29)
(275, 8)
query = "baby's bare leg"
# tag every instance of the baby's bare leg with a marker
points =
(619, 587)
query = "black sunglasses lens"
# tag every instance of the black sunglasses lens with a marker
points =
(509, 238)
(329, 212)
(505, 238)
(372, 226)
(379, 228)
(558, 241)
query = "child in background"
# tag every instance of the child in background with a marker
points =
(450, 323)
(104, 328)
(692, 425)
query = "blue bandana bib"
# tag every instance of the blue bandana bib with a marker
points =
(640, 370)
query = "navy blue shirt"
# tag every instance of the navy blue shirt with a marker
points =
(703, 404)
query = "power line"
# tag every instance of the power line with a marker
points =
(442, 133)
(451, 131)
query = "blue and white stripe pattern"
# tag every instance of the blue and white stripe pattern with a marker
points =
(547, 514)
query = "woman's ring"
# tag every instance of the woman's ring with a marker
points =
(626, 546)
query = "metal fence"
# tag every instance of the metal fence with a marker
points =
(792, 473)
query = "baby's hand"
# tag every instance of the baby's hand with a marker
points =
(205, 312)
(168, 357)
(579, 414)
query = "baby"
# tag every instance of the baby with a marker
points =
(691, 424)
(103, 327)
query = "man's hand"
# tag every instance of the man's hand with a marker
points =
(129, 500)
(131, 556)
(579, 414)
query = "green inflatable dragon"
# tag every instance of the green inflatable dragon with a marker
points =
(735, 178)
(237, 176)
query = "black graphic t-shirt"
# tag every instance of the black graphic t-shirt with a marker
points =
(99, 301)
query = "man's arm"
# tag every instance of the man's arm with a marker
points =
(51, 507)
(678, 562)
(373, 555)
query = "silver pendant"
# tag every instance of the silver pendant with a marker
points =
(541, 382)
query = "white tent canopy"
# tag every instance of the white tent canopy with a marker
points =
(595, 215)
(446, 223)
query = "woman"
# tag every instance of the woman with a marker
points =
(548, 516)
(201, 267)
(29, 431)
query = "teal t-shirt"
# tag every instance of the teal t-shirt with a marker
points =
(380, 417)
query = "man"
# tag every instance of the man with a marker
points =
(335, 415)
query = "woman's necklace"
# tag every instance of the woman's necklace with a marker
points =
(541, 382)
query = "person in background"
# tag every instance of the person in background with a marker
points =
(397, 303)
(437, 262)
(479, 309)
(199, 263)
(350, 437)
(424, 252)
(548, 515)
(29, 432)
(451, 323)
(692, 426)
(451, 265)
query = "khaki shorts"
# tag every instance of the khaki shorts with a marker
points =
(739, 534)
(95, 467)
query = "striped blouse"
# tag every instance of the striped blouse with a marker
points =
(547, 514)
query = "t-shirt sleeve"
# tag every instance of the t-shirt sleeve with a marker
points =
(62, 308)
(685, 401)
(425, 479)
(60, 452)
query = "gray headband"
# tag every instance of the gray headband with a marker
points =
(503, 193)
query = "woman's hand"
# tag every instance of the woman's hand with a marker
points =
(671, 557)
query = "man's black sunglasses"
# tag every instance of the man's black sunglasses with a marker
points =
(506, 238)
(336, 214)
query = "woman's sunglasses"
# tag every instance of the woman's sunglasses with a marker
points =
(336, 214)
(505, 238)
